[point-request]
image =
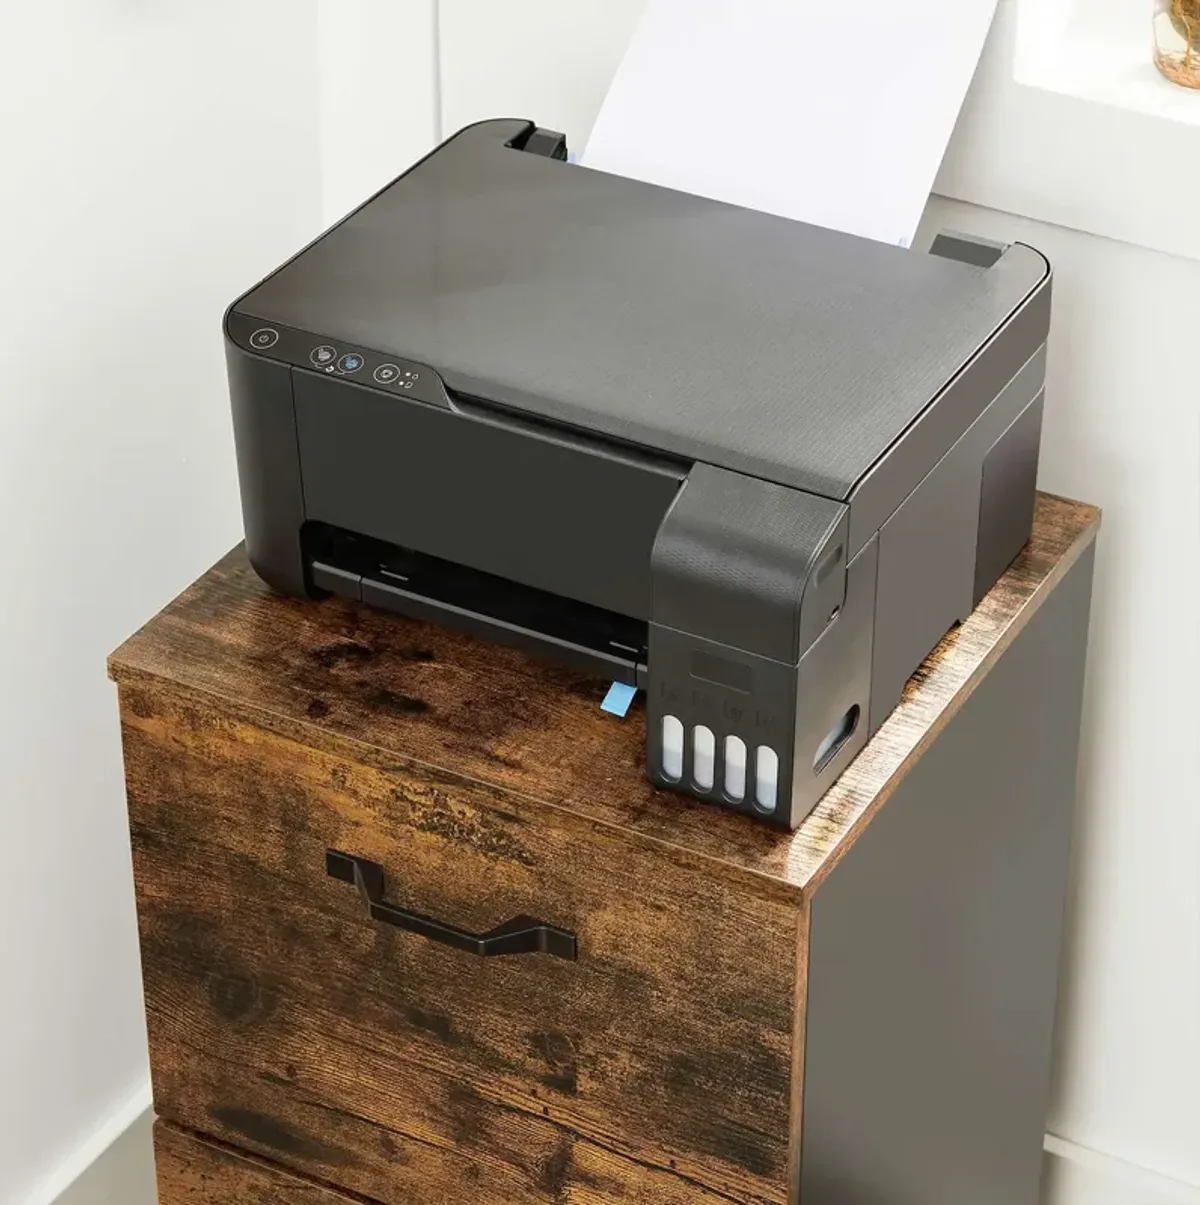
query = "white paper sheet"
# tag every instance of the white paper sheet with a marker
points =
(836, 113)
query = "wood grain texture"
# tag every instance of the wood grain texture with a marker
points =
(194, 1172)
(658, 1067)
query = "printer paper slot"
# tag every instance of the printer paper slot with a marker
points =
(426, 587)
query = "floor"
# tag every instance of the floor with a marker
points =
(124, 1175)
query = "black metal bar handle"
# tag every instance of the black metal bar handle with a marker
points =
(521, 935)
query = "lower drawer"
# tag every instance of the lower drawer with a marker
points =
(194, 1172)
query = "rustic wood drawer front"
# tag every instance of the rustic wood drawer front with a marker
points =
(194, 1172)
(656, 1067)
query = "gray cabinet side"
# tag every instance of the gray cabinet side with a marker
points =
(934, 947)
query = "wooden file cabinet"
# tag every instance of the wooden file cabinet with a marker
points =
(858, 1012)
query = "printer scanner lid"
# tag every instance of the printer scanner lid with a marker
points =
(652, 317)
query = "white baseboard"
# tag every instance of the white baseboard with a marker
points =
(90, 1152)
(1078, 1175)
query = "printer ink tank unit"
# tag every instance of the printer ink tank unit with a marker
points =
(756, 467)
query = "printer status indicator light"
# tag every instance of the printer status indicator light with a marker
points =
(323, 356)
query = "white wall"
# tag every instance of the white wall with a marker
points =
(158, 157)
(378, 63)
(1122, 430)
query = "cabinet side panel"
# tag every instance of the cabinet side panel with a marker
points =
(933, 956)
(796, 1130)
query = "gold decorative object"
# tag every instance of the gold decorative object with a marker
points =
(1177, 41)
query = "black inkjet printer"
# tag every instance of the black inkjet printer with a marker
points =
(756, 467)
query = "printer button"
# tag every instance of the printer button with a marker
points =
(264, 338)
(704, 747)
(766, 778)
(387, 374)
(323, 356)
(672, 748)
(350, 362)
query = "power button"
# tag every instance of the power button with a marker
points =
(264, 338)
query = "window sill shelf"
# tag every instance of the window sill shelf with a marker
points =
(1069, 122)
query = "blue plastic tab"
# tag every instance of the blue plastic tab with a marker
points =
(616, 702)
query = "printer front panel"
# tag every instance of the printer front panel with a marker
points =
(445, 510)
(518, 503)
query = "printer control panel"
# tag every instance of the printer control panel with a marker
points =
(331, 357)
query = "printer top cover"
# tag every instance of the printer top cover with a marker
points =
(670, 322)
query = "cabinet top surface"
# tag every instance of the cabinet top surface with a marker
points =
(368, 683)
